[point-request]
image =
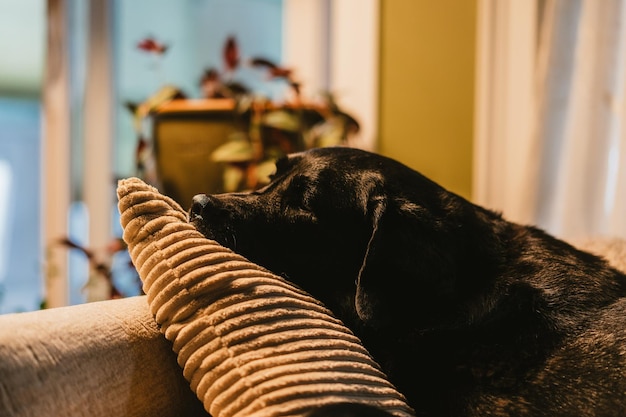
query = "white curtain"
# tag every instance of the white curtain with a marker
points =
(566, 171)
(581, 126)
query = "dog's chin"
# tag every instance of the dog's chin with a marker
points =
(198, 222)
(223, 236)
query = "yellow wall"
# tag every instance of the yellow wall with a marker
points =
(427, 87)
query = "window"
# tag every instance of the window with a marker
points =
(20, 223)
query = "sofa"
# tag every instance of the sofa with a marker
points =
(109, 358)
(105, 358)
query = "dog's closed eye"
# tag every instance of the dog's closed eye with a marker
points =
(298, 194)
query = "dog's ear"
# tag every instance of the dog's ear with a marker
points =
(375, 208)
(408, 267)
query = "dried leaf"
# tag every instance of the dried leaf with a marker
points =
(281, 119)
(236, 150)
(232, 178)
(264, 170)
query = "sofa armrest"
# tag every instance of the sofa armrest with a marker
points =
(105, 358)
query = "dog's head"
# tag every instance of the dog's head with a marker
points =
(363, 233)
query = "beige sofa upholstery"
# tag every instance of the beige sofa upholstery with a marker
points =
(109, 359)
(99, 359)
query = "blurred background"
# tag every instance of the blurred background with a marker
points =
(517, 105)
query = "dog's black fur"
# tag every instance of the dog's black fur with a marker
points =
(467, 313)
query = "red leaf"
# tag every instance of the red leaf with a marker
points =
(231, 54)
(152, 46)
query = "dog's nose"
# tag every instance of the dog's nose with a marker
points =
(198, 203)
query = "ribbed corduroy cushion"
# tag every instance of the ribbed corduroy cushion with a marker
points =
(250, 343)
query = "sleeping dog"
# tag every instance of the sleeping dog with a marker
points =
(467, 313)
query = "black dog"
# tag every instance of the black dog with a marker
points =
(467, 313)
